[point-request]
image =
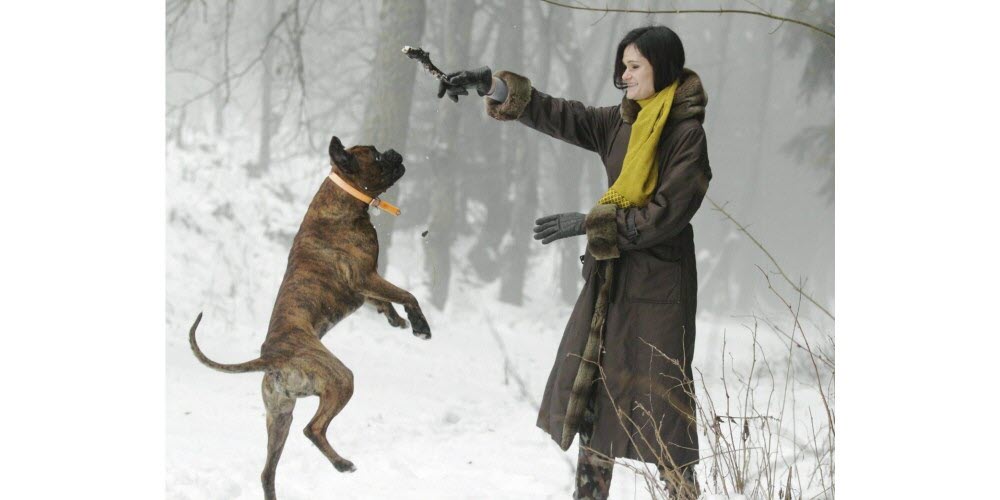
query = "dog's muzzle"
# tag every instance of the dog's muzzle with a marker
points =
(394, 163)
(393, 157)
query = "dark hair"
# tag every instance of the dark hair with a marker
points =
(661, 46)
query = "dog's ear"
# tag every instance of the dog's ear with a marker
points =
(341, 157)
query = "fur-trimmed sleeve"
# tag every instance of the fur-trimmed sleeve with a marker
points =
(602, 233)
(518, 95)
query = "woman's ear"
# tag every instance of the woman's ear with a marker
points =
(340, 157)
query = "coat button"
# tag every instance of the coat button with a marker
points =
(581, 259)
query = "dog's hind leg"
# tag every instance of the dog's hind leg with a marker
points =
(279, 419)
(331, 401)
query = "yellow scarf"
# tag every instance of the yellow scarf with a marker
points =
(635, 185)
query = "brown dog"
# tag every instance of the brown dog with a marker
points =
(331, 272)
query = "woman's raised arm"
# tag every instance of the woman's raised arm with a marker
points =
(567, 120)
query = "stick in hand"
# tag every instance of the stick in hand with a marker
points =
(425, 58)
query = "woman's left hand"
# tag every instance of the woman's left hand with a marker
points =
(554, 227)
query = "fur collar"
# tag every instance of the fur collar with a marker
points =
(690, 100)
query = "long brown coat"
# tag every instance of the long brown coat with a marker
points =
(644, 406)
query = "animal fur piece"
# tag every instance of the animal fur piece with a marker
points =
(602, 243)
(332, 271)
(518, 95)
(583, 383)
(602, 232)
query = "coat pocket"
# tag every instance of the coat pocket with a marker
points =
(653, 276)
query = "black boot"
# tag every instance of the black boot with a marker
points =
(681, 483)
(593, 473)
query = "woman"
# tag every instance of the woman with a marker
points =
(622, 376)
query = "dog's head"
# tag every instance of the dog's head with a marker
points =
(365, 167)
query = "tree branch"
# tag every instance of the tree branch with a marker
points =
(225, 81)
(781, 271)
(812, 356)
(695, 11)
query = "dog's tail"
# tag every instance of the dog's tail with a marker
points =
(255, 365)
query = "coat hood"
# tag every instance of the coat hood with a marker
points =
(690, 100)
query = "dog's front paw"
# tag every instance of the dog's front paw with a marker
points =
(399, 322)
(345, 466)
(421, 329)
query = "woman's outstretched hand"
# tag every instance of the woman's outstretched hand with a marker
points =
(457, 83)
(554, 227)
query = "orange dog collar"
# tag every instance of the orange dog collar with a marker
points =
(368, 200)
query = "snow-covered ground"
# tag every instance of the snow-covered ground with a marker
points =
(441, 419)
(438, 419)
(449, 418)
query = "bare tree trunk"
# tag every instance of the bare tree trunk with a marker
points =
(575, 163)
(266, 113)
(178, 132)
(732, 265)
(491, 184)
(387, 115)
(220, 97)
(741, 269)
(714, 283)
(523, 165)
(443, 206)
(219, 120)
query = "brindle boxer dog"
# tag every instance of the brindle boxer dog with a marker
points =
(331, 272)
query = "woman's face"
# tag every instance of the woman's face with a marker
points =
(638, 74)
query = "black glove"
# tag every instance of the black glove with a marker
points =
(554, 227)
(455, 84)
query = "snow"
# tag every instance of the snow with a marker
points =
(449, 418)
(429, 419)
